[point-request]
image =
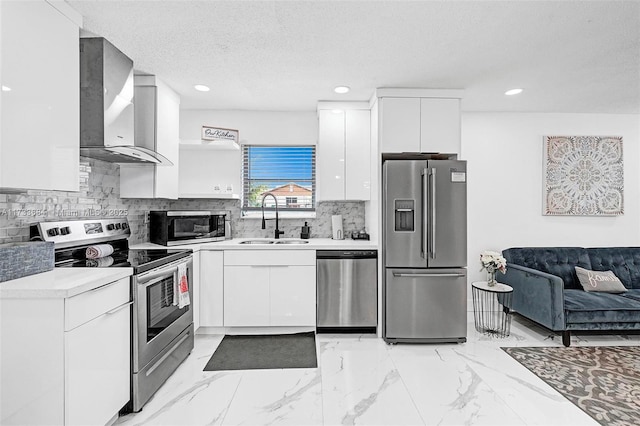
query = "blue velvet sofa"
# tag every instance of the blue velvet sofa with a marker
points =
(547, 291)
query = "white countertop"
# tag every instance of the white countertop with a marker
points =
(234, 244)
(61, 282)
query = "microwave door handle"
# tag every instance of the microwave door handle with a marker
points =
(424, 237)
(433, 213)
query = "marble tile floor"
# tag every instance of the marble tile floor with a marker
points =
(361, 380)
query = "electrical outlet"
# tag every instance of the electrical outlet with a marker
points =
(146, 218)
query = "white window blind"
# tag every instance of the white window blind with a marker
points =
(287, 172)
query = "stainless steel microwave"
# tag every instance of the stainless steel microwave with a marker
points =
(171, 227)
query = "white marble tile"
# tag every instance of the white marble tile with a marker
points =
(362, 380)
(360, 384)
(286, 396)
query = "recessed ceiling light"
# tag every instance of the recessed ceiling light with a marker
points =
(513, 92)
(341, 89)
(201, 88)
(6, 89)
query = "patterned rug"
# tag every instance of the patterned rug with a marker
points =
(603, 381)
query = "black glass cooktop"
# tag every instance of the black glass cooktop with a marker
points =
(140, 259)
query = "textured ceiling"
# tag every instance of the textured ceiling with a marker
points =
(569, 56)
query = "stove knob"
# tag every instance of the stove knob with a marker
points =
(65, 230)
(118, 226)
(110, 227)
(53, 232)
(124, 225)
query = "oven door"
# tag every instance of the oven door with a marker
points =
(194, 226)
(157, 321)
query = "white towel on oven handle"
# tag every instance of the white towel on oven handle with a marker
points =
(181, 288)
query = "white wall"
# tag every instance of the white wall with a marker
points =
(255, 127)
(504, 153)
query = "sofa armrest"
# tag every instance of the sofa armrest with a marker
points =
(537, 295)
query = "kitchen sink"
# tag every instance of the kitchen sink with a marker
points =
(256, 242)
(292, 242)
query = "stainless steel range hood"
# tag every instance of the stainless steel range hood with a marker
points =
(106, 106)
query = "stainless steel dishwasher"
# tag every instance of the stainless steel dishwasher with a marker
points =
(347, 289)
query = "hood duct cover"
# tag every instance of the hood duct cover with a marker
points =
(106, 106)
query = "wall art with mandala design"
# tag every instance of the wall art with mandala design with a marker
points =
(583, 176)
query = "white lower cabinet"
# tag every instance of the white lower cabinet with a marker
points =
(246, 296)
(66, 361)
(269, 288)
(97, 369)
(292, 295)
(211, 295)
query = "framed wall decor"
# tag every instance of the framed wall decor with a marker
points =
(583, 176)
(219, 134)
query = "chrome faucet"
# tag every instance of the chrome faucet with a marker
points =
(264, 224)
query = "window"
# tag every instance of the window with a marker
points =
(287, 172)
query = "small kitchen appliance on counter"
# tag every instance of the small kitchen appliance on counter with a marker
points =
(172, 227)
(162, 334)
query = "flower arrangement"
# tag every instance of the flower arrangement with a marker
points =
(491, 262)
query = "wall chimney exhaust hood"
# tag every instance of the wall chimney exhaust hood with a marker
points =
(106, 106)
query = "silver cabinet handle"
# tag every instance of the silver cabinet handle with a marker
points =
(433, 214)
(424, 237)
(114, 310)
(402, 275)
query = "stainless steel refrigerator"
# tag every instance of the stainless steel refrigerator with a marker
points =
(424, 250)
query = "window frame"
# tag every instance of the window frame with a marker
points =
(251, 211)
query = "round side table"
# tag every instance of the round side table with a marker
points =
(491, 308)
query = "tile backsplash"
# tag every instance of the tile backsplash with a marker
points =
(99, 196)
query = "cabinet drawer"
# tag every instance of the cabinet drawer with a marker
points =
(93, 303)
(269, 257)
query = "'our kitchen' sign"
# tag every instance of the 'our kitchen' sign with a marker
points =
(219, 134)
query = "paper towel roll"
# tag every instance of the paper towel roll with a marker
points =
(336, 227)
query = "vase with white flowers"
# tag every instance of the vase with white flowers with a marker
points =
(491, 262)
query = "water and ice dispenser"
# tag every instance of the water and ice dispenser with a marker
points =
(404, 215)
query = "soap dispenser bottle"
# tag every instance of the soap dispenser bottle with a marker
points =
(306, 232)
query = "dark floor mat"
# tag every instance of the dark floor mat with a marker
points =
(272, 351)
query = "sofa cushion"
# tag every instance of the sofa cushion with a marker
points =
(602, 281)
(622, 261)
(633, 294)
(584, 307)
(559, 261)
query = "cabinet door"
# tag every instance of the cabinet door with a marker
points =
(97, 368)
(440, 125)
(330, 170)
(40, 115)
(400, 124)
(358, 155)
(211, 288)
(293, 295)
(246, 296)
(167, 140)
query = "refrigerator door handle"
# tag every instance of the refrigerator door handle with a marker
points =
(405, 275)
(424, 235)
(432, 211)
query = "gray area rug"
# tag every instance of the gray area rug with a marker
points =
(603, 381)
(273, 351)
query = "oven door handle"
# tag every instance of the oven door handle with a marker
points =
(157, 276)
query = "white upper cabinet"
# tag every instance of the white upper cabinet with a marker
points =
(420, 124)
(157, 127)
(40, 98)
(440, 125)
(343, 164)
(400, 124)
